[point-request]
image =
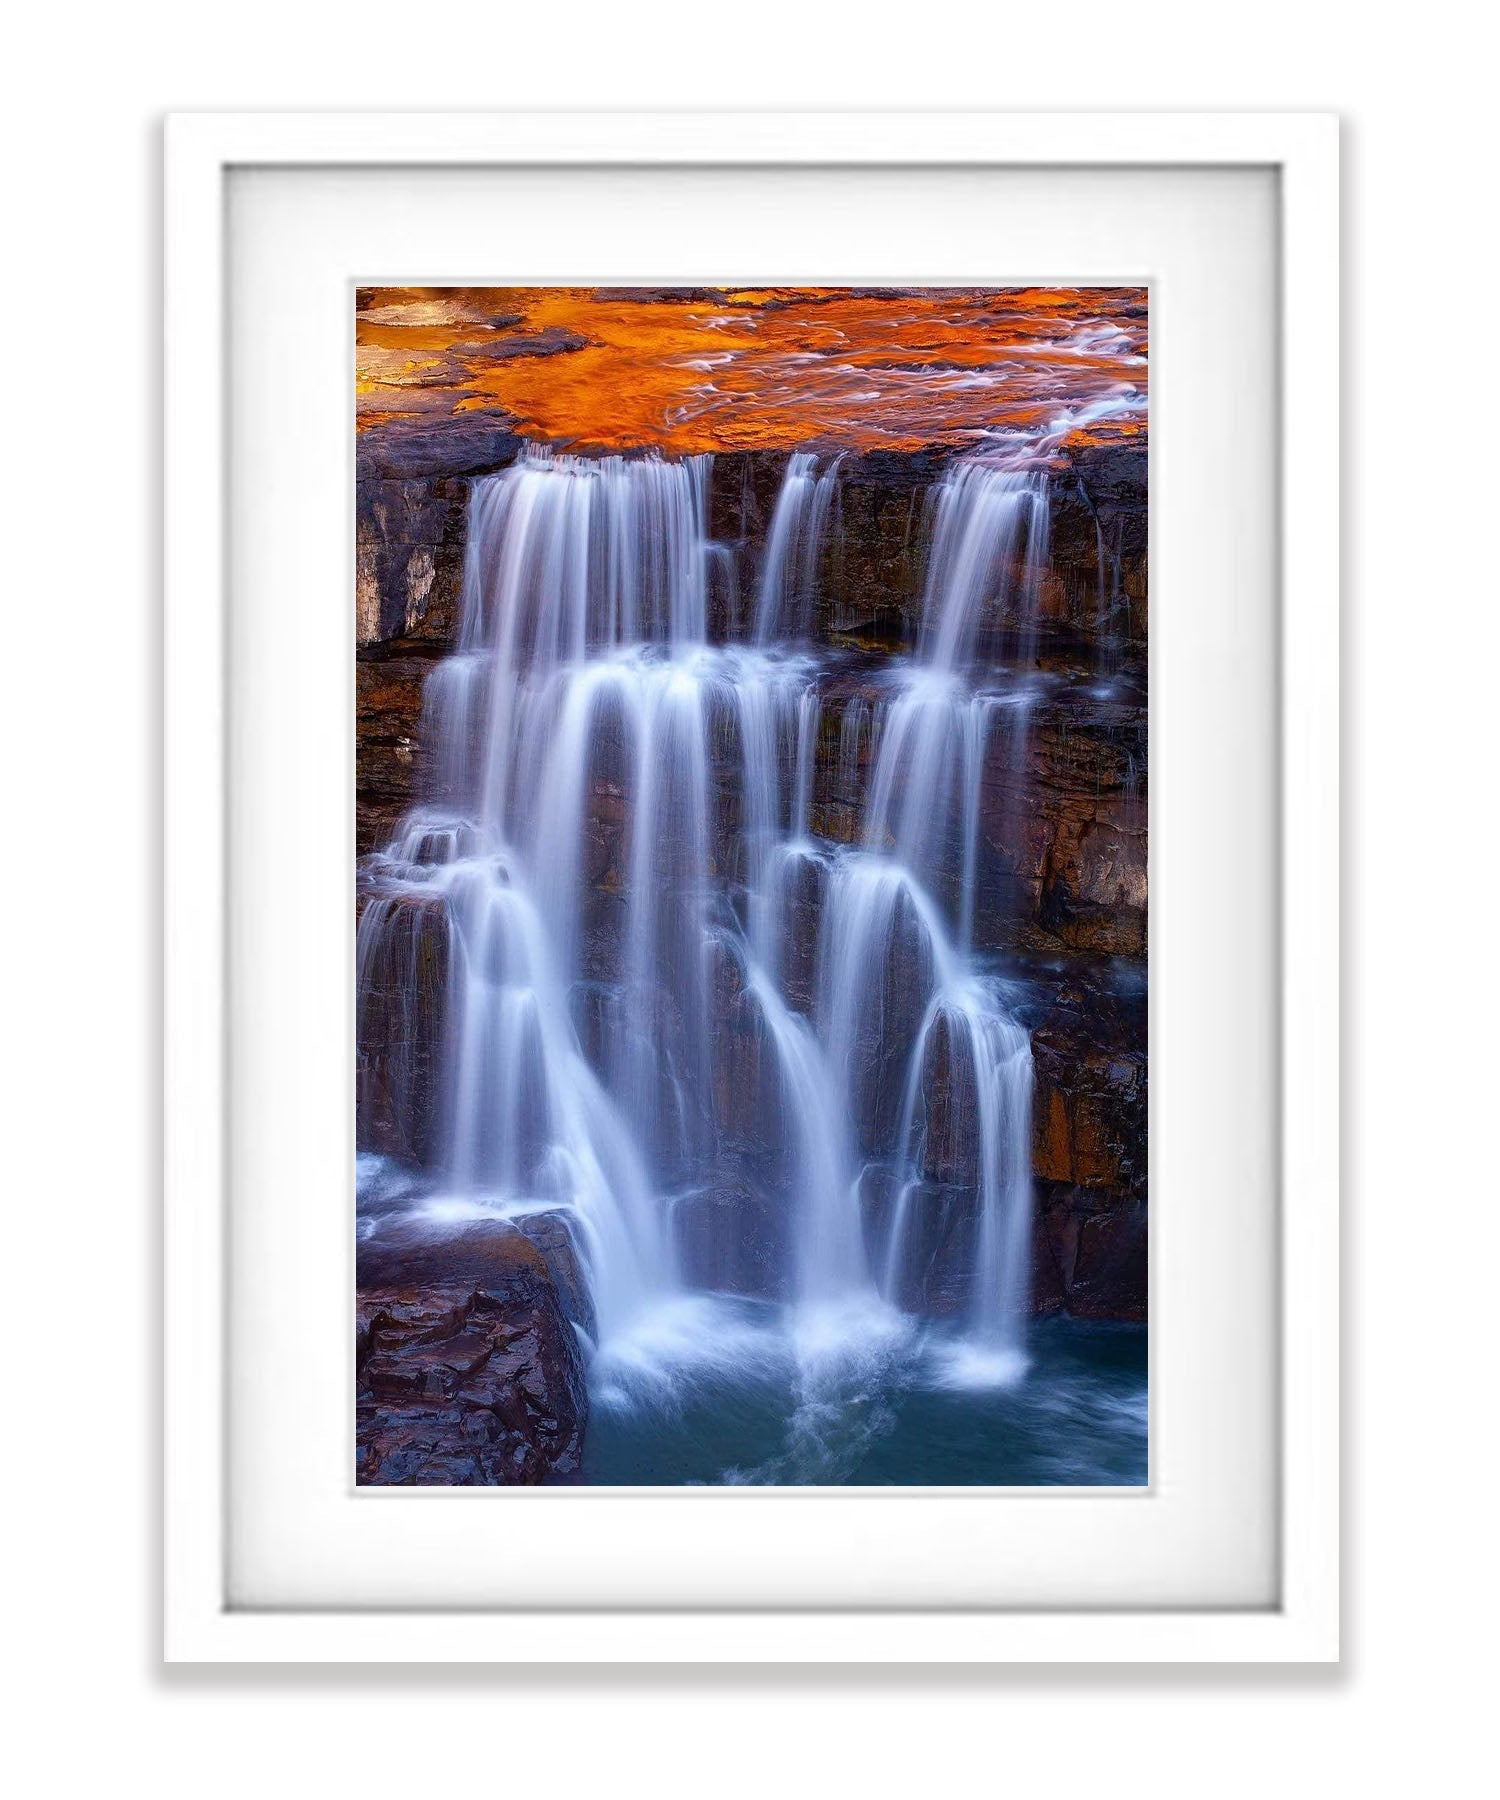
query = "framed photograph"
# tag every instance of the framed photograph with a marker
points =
(752, 832)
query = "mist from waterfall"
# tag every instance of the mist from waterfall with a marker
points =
(651, 932)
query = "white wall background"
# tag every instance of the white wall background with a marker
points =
(79, 377)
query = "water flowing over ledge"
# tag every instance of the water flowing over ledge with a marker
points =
(688, 954)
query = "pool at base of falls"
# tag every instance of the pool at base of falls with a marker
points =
(714, 1390)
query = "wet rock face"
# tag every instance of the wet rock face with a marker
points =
(1089, 1254)
(1091, 774)
(749, 1115)
(1063, 826)
(872, 570)
(388, 760)
(403, 946)
(1089, 1115)
(1099, 542)
(874, 562)
(408, 558)
(1089, 1120)
(467, 1368)
(939, 1224)
(941, 1250)
(1089, 1103)
(950, 1107)
(411, 513)
(409, 529)
(885, 1029)
(741, 501)
(804, 889)
(734, 1237)
(552, 1238)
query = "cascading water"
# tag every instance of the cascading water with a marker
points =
(987, 562)
(788, 585)
(629, 842)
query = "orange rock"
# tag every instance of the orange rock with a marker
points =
(1052, 1148)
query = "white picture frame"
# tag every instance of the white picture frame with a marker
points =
(201, 1622)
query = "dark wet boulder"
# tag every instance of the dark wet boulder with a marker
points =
(554, 1236)
(468, 1371)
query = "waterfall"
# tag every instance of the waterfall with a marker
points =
(794, 548)
(989, 553)
(987, 563)
(989, 1058)
(809, 718)
(663, 992)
